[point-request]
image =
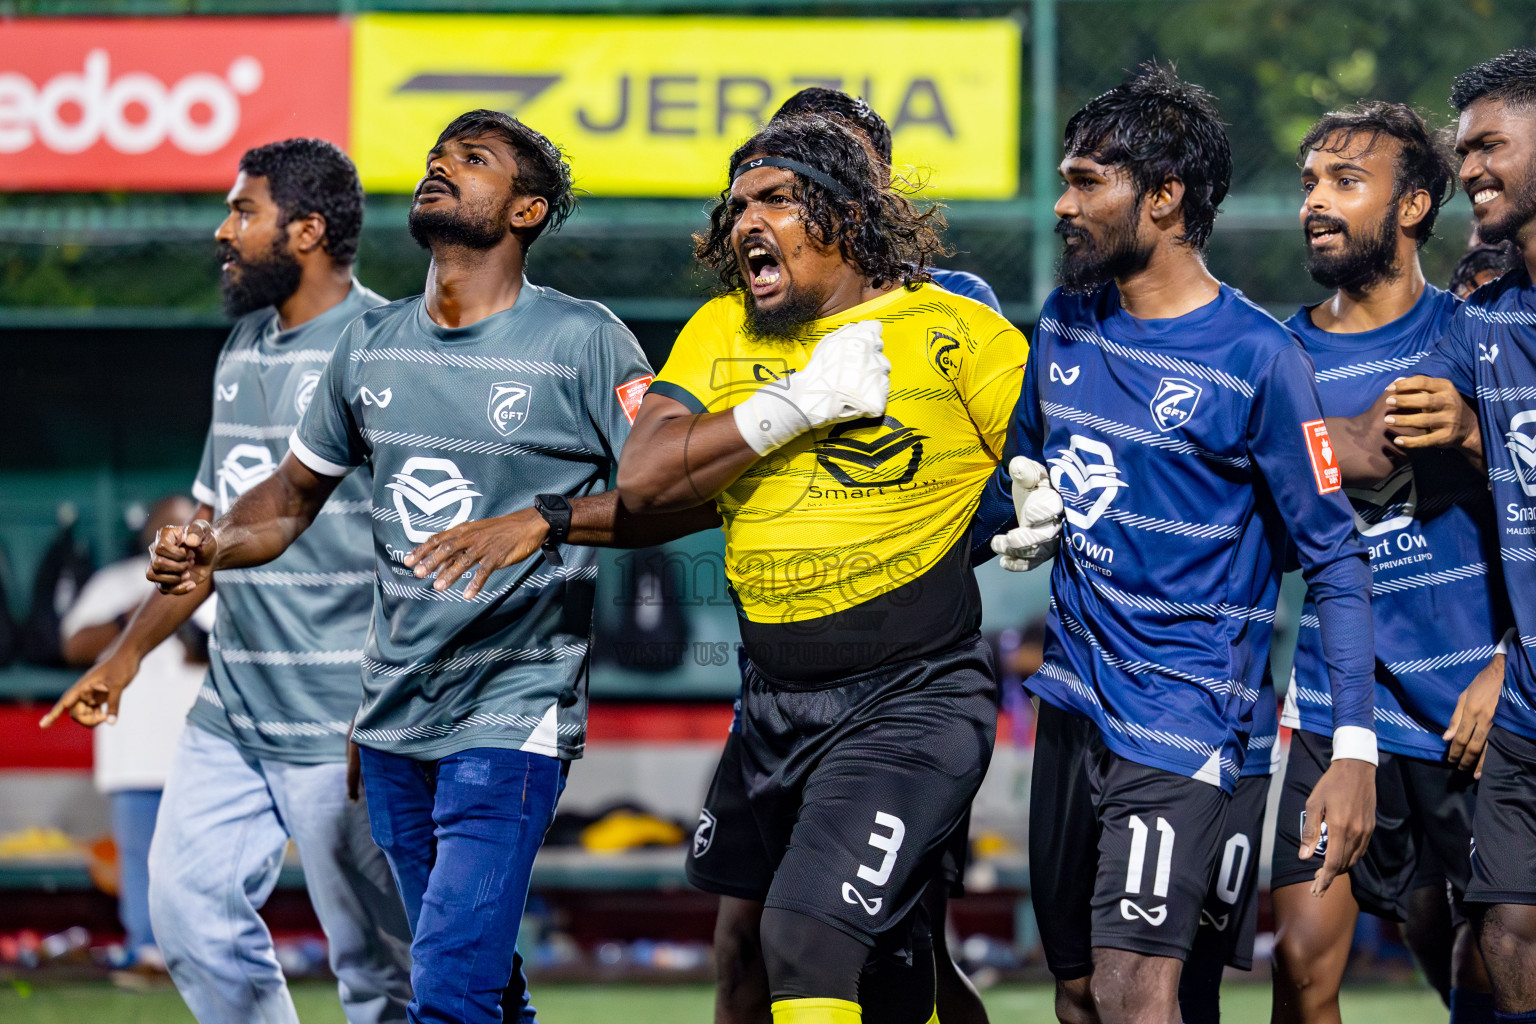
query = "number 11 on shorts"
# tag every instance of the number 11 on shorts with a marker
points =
(1136, 870)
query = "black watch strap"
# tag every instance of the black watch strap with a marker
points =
(556, 511)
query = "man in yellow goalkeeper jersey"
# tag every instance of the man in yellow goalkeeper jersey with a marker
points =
(847, 418)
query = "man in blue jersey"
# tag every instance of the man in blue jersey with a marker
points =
(722, 860)
(491, 412)
(1488, 355)
(1374, 180)
(1182, 428)
(263, 758)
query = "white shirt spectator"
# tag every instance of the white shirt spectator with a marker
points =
(136, 753)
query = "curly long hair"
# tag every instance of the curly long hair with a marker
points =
(871, 220)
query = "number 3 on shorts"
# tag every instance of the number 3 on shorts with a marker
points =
(888, 844)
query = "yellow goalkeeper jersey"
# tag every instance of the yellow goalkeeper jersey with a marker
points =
(849, 512)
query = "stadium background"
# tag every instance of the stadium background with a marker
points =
(109, 324)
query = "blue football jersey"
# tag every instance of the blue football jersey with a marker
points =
(1188, 452)
(1489, 354)
(1262, 756)
(963, 282)
(1436, 593)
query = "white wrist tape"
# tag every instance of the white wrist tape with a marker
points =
(848, 377)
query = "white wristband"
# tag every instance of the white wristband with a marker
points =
(1510, 636)
(756, 422)
(1354, 742)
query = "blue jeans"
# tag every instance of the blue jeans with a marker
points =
(133, 824)
(461, 834)
(225, 820)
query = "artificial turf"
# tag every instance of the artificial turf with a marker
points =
(25, 1003)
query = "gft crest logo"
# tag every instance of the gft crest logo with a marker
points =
(508, 408)
(1088, 466)
(886, 455)
(308, 381)
(421, 501)
(704, 833)
(1388, 506)
(944, 352)
(1521, 444)
(1174, 402)
(244, 466)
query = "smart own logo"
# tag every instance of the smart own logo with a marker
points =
(424, 489)
(1388, 506)
(244, 466)
(1088, 479)
(885, 452)
(133, 113)
(1521, 443)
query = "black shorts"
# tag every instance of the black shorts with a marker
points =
(1420, 804)
(1230, 918)
(1428, 871)
(857, 786)
(957, 854)
(1121, 855)
(1503, 864)
(727, 856)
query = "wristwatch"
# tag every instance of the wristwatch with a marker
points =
(556, 511)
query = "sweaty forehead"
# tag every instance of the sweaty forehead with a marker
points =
(494, 144)
(1082, 163)
(252, 187)
(1370, 150)
(1495, 115)
(760, 180)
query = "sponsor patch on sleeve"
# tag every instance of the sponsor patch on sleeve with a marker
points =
(630, 393)
(1325, 464)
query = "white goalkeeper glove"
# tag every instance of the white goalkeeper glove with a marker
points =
(847, 378)
(1038, 507)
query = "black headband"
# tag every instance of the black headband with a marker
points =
(803, 169)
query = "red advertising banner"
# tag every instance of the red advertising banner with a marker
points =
(162, 105)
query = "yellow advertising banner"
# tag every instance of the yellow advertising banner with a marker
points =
(653, 106)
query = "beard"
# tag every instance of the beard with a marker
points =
(252, 284)
(785, 321)
(1522, 211)
(1089, 265)
(469, 228)
(1357, 265)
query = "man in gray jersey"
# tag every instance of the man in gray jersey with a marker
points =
(264, 758)
(491, 412)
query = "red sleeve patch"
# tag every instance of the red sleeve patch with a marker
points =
(1325, 468)
(630, 393)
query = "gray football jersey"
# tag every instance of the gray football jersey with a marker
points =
(464, 424)
(283, 661)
